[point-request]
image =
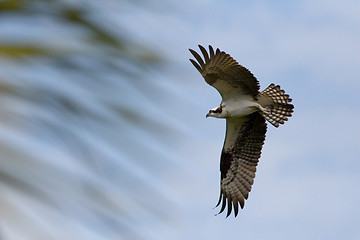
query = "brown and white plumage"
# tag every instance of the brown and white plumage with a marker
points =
(222, 72)
(245, 110)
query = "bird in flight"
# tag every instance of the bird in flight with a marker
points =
(245, 109)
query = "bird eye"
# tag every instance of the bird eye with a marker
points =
(218, 110)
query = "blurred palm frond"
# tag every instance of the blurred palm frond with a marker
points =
(75, 124)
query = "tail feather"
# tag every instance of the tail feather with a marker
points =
(276, 105)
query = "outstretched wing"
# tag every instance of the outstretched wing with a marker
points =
(222, 72)
(242, 148)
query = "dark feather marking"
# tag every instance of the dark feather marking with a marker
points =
(218, 203)
(196, 65)
(211, 50)
(223, 204)
(225, 162)
(241, 161)
(211, 78)
(198, 58)
(204, 52)
(236, 208)
(229, 203)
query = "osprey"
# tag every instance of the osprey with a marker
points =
(245, 110)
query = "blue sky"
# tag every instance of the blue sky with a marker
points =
(307, 184)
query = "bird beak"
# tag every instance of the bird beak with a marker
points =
(207, 115)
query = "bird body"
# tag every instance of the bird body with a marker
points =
(238, 107)
(245, 110)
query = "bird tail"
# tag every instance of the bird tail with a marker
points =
(275, 105)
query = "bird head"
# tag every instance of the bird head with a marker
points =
(215, 112)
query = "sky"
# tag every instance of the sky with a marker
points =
(307, 180)
(307, 183)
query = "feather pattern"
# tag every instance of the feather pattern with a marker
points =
(278, 108)
(239, 159)
(224, 73)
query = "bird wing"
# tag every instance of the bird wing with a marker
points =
(222, 72)
(241, 152)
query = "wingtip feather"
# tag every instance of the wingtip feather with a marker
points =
(229, 207)
(196, 65)
(197, 57)
(211, 50)
(236, 208)
(204, 52)
(223, 204)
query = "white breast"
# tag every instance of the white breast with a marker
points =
(240, 107)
